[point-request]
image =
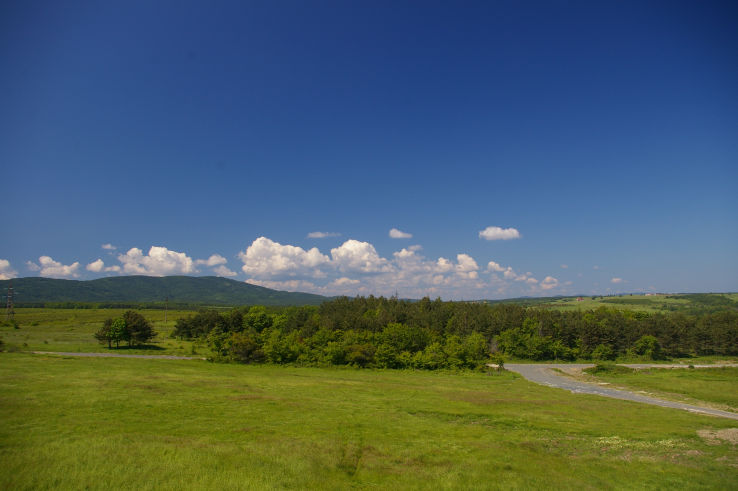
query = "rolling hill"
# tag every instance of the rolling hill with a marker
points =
(203, 290)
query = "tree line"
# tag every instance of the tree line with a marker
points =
(388, 332)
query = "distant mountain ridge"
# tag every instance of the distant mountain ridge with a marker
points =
(202, 290)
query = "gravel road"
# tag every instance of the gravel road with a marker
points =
(544, 374)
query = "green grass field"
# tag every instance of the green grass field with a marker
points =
(72, 330)
(73, 423)
(651, 304)
(718, 386)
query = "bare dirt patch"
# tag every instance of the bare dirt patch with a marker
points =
(716, 437)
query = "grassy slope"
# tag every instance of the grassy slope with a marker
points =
(73, 329)
(152, 424)
(714, 385)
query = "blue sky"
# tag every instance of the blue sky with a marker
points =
(596, 143)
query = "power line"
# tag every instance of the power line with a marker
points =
(9, 310)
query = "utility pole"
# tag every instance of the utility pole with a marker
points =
(9, 310)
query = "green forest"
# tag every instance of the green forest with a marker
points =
(431, 334)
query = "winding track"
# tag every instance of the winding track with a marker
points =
(544, 374)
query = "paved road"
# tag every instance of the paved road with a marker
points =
(119, 355)
(544, 375)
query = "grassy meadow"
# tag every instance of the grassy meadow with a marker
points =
(105, 423)
(46, 329)
(651, 303)
(718, 386)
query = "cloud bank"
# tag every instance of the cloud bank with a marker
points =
(355, 267)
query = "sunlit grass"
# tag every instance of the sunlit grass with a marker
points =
(145, 424)
(73, 329)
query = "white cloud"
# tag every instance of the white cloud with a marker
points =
(616, 280)
(224, 271)
(6, 272)
(399, 234)
(564, 266)
(497, 233)
(549, 282)
(467, 266)
(266, 258)
(322, 235)
(214, 260)
(595, 267)
(288, 285)
(32, 266)
(160, 261)
(343, 281)
(53, 269)
(355, 267)
(95, 266)
(354, 255)
(108, 247)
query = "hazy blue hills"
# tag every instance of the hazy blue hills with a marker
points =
(202, 290)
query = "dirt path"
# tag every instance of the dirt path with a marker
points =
(119, 355)
(544, 374)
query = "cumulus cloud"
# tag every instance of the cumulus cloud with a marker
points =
(616, 280)
(224, 272)
(48, 268)
(549, 282)
(6, 272)
(98, 266)
(399, 234)
(266, 258)
(322, 235)
(467, 267)
(498, 233)
(288, 285)
(354, 255)
(343, 281)
(95, 266)
(108, 247)
(355, 267)
(159, 261)
(214, 260)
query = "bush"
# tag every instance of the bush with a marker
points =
(648, 347)
(603, 352)
(608, 369)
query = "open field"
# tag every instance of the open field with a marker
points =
(45, 329)
(650, 304)
(718, 386)
(144, 424)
